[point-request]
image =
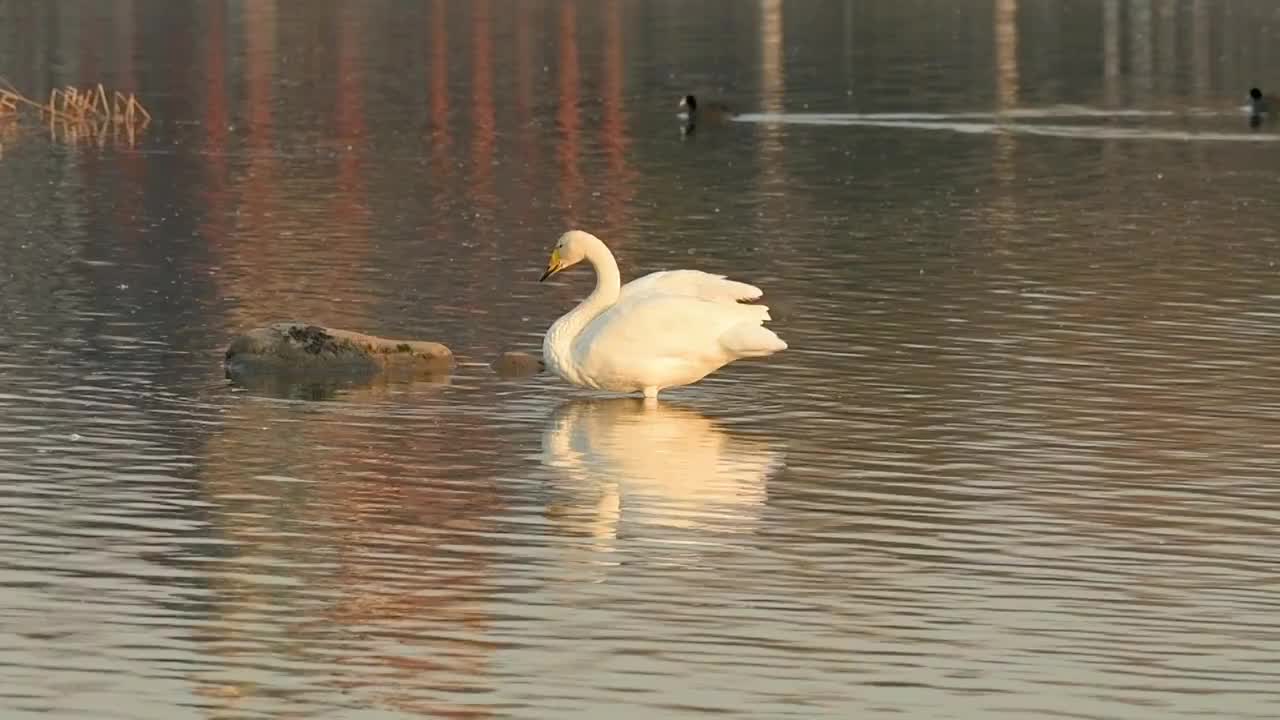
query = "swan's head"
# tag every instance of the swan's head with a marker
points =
(570, 250)
(689, 101)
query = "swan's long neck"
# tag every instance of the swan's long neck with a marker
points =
(557, 345)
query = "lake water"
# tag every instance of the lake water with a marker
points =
(1020, 459)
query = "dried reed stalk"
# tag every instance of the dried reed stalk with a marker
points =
(81, 113)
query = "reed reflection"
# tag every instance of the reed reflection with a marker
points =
(1006, 44)
(216, 119)
(528, 138)
(613, 127)
(440, 138)
(771, 172)
(256, 283)
(438, 61)
(567, 121)
(1111, 53)
(1004, 208)
(1201, 51)
(352, 219)
(351, 547)
(1167, 44)
(482, 112)
(1141, 50)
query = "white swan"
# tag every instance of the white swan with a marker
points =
(663, 330)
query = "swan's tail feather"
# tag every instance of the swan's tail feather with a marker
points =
(742, 291)
(759, 312)
(750, 339)
(721, 288)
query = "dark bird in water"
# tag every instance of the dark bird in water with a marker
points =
(706, 113)
(711, 111)
(1261, 106)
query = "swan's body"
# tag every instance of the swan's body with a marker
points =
(663, 330)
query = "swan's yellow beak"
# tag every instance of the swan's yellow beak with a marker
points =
(554, 265)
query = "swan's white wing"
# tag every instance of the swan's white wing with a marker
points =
(662, 339)
(692, 283)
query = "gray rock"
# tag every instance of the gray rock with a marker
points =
(299, 347)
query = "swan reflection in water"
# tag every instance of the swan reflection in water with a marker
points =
(653, 466)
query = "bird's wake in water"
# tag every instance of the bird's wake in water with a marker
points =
(1008, 122)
